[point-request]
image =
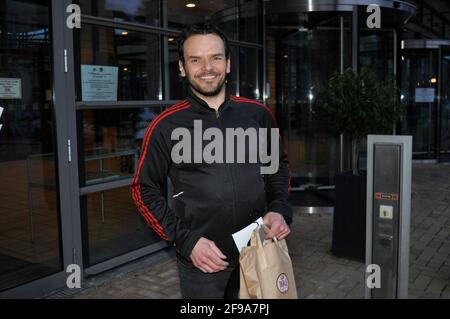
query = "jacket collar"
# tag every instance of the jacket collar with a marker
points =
(201, 104)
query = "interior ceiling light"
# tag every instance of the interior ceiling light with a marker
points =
(191, 5)
(125, 33)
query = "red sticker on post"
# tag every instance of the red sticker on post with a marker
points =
(386, 196)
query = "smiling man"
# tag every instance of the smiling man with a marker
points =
(212, 200)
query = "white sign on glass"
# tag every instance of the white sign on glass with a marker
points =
(99, 83)
(10, 88)
(425, 95)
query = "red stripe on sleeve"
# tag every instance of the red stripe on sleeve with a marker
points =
(135, 187)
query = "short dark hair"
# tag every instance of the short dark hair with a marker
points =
(202, 29)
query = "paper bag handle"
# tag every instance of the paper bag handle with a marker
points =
(256, 239)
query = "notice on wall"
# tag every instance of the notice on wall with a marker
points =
(425, 95)
(99, 83)
(10, 88)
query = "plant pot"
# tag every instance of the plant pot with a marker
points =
(349, 220)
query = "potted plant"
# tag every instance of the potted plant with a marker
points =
(356, 104)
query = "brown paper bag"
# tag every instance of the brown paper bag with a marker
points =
(266, 270)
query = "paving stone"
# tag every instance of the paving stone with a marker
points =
(413, 274)
(435, 263)
(416, 292)
(435, 243)
(357, 292)
(444, 272)
(422, 282)
(444, 251)
(335, 294)
(428, 295)
(446, 293)
(346, 285)
(436, 286)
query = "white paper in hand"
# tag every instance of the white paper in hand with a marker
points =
(242, 237)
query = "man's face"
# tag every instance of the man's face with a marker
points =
(205, 64)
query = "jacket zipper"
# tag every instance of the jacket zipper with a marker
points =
(230, 173)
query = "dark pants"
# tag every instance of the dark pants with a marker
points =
(196, 284)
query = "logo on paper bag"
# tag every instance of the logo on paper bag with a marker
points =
(283, 283)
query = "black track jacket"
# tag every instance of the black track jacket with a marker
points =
(214, 200)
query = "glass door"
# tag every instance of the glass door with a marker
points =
(309, 56)
(444, 112)
(30, 232)
(418, 92)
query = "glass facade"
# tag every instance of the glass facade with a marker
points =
(418, 68)
(114, 226)
(29, 210)
(377, 51)
(444, 111)
(135, 55)
(124, 64)
(313, 151)
(135, 11)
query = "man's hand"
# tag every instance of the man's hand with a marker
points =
(207, 257)
(278, 227)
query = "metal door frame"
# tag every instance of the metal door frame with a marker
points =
(67, 170)
(441, 158)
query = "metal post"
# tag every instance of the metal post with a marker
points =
(388, 215)
(355, 39)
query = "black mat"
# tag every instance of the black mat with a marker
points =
(9, 263)
(15, 272)
(321, 198)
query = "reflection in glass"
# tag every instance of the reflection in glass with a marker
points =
(232, 84)
(445, 106)
(222, 13)
(177, 84)
(248, 21)
(248, 73)
(137, 11)
(29, 216)
(114, 226)
(418, 67)
(377, 51)
(111, 142)
(313, 151)
(135, 54)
